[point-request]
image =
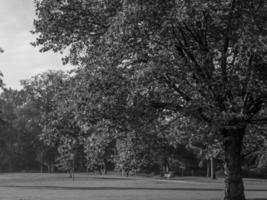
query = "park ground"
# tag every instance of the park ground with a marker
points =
(34, 186)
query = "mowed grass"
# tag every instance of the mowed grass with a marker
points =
(34, 186)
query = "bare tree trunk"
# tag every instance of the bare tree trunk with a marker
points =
(208, 168)
(212, 168)
(167, 168)
(52, 167)
(104, 169)
(41, 164)
(73, 169)
(234, 187)
(48, 167)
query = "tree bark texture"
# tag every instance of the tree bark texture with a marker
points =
(234, 187)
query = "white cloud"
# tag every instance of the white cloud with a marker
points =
(20, 60)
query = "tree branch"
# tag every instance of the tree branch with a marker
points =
(195, 112)
(174, 86)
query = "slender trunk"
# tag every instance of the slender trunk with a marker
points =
(212, 168)
(41, 164)
(234, 187)
(167, 168)
(104, 169)
(73, 169)
(208, 168)
(52, 168)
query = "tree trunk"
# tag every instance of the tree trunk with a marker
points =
(73, 169)
(52, 168)
(41, 164)
(212, 168)
(167, 168)
(208, 168)
(234, 187)
(104, 169)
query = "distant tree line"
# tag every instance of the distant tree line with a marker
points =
(43, 132)
(49, 126)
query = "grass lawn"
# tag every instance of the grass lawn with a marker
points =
(34, 186)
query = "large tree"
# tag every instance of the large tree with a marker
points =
(202, 59)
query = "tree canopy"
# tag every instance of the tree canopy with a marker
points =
(152, 78)
(202, 59)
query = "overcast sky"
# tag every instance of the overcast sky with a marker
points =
(20, 60)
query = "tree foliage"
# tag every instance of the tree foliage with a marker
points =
(143, 63)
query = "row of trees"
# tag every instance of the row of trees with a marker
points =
(39, 129)
(151, 76)
(45, 127)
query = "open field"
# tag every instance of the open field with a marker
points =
(31, 186)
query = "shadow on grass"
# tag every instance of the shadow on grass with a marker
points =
(123, 188)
